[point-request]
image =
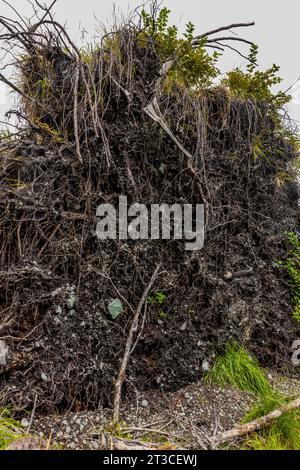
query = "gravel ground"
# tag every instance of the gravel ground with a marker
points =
(184, 418)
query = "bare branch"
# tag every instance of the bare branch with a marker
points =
(230, 38)
(223, 28)
(257, 424)
(128, 347)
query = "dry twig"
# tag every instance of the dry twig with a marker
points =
(128, 347)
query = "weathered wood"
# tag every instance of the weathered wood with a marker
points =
(257, 424)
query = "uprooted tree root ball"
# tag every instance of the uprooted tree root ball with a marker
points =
(116, 120)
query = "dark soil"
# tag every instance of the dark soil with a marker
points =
(57, 279)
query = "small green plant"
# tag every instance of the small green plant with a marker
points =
(119, 431)
(158, 298)
(258, 148)
(9, 429)
(240, 370)
(265, 441)
(53, 133)
(162, 314)
(292, 267)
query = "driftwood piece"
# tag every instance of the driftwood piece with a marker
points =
(256, 425)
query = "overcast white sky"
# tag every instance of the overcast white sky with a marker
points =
(277, 28)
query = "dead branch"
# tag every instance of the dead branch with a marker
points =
(257, 424)
(230, 38)
(223, 28)
(128, 347)
(78, 150)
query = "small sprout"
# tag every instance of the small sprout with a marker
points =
(157, 299)
(162, 314)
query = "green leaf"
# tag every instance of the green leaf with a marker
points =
(115, 308)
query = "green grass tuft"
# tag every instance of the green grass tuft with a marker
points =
(265, 441)
(240, 370)
(284, 434)
(9, 429)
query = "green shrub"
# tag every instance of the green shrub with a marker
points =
(194, 68)
(292, 267)
(256, 84)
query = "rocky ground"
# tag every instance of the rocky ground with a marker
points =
(183, 419)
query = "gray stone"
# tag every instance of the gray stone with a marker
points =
(205, 366)
(24, 423)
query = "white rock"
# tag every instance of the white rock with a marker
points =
(24, 423)
(3, 353)
(184, 326)
(71, 301)
(145, 403)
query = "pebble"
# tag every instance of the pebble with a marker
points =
(25, 423)
(95, 445)
(184, 326)
(205, 366)
(145, 403)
